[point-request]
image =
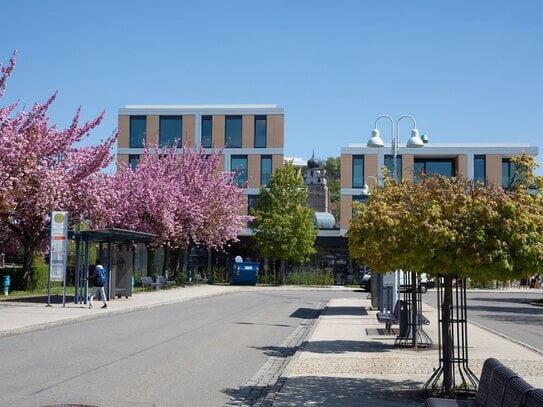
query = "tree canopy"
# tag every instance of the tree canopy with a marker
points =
(443, 225)
(41, 170)
(283, 225)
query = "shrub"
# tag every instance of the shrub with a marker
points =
(40, 275)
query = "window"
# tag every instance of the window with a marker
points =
(252, 202)
(508, 171)
(238, 165)
(133, 160)
(435, 166)
(358, 171)
(138, 130)
(233, 132)
(358, 198)
(260, 131)
(207, 129)
(479, 169)
(389, 164)
(170, 129)
(265, 170)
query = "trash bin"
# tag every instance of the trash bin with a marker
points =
(6, 285)
(243, 273)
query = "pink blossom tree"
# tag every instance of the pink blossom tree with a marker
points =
(41, 170)
(182, 198)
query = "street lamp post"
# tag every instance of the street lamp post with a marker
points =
(414, 141)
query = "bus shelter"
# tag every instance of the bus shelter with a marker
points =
(119, 264)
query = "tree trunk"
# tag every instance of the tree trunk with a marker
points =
(166, 261)
(151, 261)
(282, 271)
(28, 256)
(176, 262)
(446, 336)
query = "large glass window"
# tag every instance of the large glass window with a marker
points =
(479, 168)
(508, 171)
(434, 166)
(233, 131)
(207, 129)
(389, 164)
(238, 165)
(265, 170)
(358, 171)
(252, 202)
(260, 131)
(138, 129)
(133, 160)
(358, 198)
(170, 129)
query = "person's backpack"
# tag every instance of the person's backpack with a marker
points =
(100, 275)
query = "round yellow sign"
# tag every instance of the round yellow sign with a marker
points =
(59, 218)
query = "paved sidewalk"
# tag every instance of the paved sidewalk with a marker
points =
(346, 359)
(21, 315)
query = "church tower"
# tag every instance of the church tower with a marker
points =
(318, 197)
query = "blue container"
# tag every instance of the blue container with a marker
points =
(6, 285)
(243, 273)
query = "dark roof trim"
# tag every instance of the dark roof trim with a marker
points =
(112, 235)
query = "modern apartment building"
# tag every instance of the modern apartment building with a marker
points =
(361, 165)
(252, 136)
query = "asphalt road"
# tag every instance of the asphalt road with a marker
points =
(504, 312)
(196, 353)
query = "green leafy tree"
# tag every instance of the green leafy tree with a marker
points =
(333, 174)
(452, 228)
(283, 225)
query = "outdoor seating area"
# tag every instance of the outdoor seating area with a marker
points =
(157, 283)
(498, 386)
(393, 318)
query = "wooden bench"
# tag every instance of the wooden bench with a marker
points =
(148, 282)
(498, 386)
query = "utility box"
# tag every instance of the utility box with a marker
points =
(243, 273)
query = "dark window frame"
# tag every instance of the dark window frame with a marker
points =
(228, 137)
(203, 137)
(262, 140)
(262, 158)
(236, 173)
(169, 142)
(137, 140)
(354, 179)
(479, 159)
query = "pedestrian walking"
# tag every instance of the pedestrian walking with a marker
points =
(98, 282)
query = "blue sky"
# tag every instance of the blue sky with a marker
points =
(468, 71)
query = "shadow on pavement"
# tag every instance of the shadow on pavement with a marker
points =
(305, 313)
(338, 391)
(334, 391)
(341, 346)
(40, 299)
(336, 311)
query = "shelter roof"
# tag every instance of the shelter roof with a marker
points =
(112, 235)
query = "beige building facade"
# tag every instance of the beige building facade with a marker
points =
(251, 137)
(362, 165)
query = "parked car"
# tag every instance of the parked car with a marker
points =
(365, 282)
(424, 285)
